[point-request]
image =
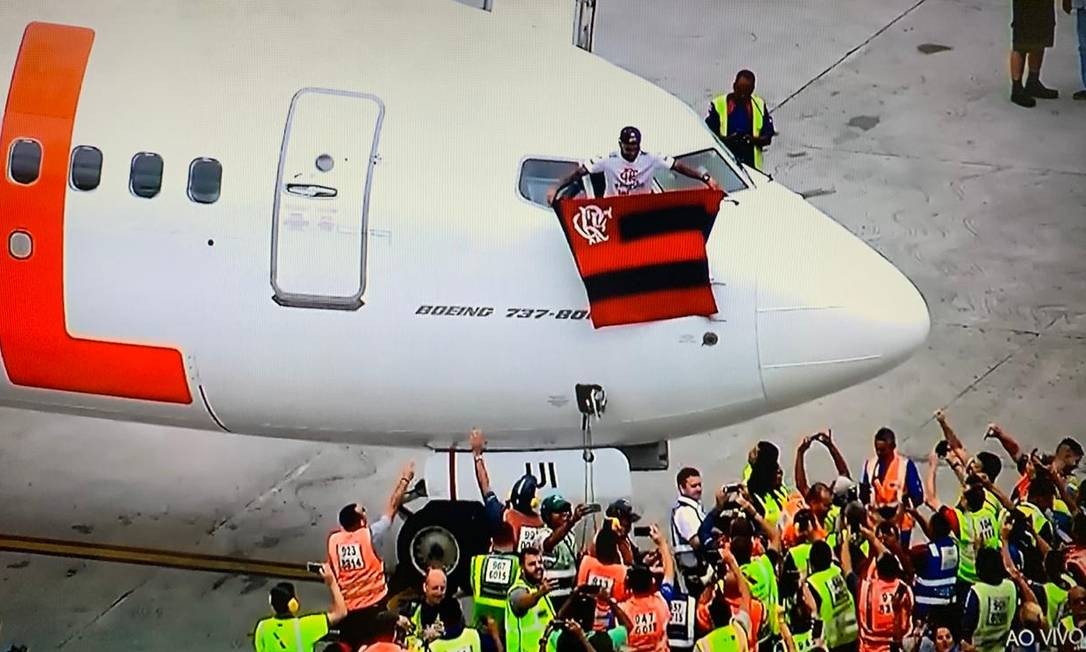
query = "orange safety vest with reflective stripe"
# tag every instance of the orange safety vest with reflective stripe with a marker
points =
(528, 529)
(359, 572)
(877, 614)
(650, 615)
(609, 576)
(705, 621)
(889, 491)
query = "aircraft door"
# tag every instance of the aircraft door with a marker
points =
(322, 197)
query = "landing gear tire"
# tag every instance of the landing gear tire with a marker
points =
(444, 533)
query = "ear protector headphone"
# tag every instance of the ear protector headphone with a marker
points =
(293, 606)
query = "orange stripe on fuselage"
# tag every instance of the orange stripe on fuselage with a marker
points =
(34, 341)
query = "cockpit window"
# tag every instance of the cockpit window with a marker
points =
(537, 176)
(24, 161)
(709, 160)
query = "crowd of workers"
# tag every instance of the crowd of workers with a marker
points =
(818, 566)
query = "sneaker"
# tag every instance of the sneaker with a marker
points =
(1079, 95)
(1035, 88)
(1021, 98)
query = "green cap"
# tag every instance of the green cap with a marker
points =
(554, 503)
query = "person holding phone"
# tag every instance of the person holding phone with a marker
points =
(286, 631)
(887, 478)
(529, 609)
(560, 546)
(605, 568)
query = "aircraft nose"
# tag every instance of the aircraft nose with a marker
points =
(832, 313)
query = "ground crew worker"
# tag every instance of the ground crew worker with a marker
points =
(455, 636)
(560, 546)
(286, 631)
(1039, 500)
(630, 170)
(990, 604)
(741, 121)
(887, 478)
(648, 606)
(766, 483)
(623, 518)
(725, 635)
(800, 631)
(492, 575)
(686, 516)
(1052, 593)
(885, 603)
(359, 569)
(936, 566)
(818, 496)
(528, 527)
(528, 610)
(384, 633)
(795, 559)
(972, 524)
(828, 595)
(1075, 559)
(425, 619)
(984, 462)
(1075, 620)
(604, 568)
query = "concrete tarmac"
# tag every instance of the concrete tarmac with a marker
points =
(893, 115)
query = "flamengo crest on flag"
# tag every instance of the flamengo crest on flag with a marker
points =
(642, 257)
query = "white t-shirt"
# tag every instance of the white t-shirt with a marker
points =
(686, 519)
(628, 177)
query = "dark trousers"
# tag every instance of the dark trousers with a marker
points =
(357, 628)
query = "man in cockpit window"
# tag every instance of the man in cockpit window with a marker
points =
(629, 171)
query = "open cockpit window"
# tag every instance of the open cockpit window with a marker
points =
(145, 179)
(538, 176)
(24, 161)
(86, 172)
(707, 160)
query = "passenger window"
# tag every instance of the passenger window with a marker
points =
(537, 176)
(145, 178)
(24, 161)
(205, 180)
(86, 171)
(708, 160)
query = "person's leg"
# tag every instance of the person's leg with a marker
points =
(1034, 58)
(1018, 92)
(1081, 16)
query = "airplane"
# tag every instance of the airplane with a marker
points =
(332, 225)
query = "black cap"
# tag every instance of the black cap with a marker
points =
(629, 135)
(622, 508)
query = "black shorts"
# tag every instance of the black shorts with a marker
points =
(1033, 24)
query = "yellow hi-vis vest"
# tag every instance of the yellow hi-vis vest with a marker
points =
(720, 103)
(836, 608)
(523, 633)
(468, 641)
(997, 606)
(491, 578)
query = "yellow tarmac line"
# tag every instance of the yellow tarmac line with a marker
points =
(153, 557)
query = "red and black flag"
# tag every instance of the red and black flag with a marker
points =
(642, 257)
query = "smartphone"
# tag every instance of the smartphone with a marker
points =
(641, 531)
(313, 567)
(590, 589)
(732, 488)
(593, 508)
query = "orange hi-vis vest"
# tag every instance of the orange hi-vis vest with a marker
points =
(650, 615)
(528, 529)
(611, 577)
(877, 614)
(359, 572)
(889, 491)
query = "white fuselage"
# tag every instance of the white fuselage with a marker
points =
(805, 307)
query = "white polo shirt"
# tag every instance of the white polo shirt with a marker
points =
(628, 177)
